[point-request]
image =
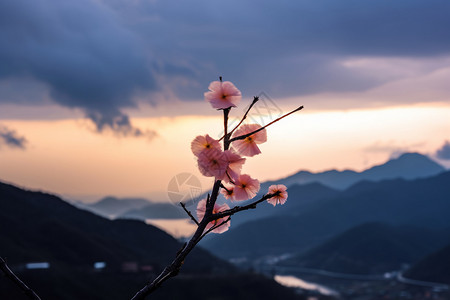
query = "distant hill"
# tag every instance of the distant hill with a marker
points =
(134, 208)
(302, 197)
(435, 267)
(39, 227)
(407, 166)
(36, 227)
(155, 211)
(421, 203)
(370, 248)
(112, 206)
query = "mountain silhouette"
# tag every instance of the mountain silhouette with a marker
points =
(434, 268)
(112, 206)
(407, 166)
(56, 230)
(40, 227)
(423, 203)
(370, 248)
(302, 197)
(156, 211)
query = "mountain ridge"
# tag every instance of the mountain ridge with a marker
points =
(423, 202)
(370, 248)
(435, 267)
(41, 227)
(111, 206)
(407, 166)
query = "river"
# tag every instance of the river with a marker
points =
(178, 228)
(294, 282)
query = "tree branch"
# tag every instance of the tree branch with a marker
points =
(255, 99)
(189, 213)
(174, 268)
(236, 209)
(13, 277)
(241, 137)
(226, 141)
(215, 226)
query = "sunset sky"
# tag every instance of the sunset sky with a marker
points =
(104, 97)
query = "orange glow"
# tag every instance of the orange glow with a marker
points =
(65, 157)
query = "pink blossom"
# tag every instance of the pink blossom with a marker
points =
(228, 192)
(204, 142)
(280, 194)
(235, 163)
(201, 209)
(247, 146)
(223, 95)
(213, 163)
(245, 187)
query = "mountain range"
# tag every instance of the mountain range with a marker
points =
(111, 207)
(406, 166)
(39, 227)
(308, 187)
(423, 203)
(134, 208)
(344, 221)
(371, 248)
(435, 267)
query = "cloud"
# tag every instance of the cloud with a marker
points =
(289, 48)
(105, 57)
(393, 148)
(11, 139)
(81, 54)
(444, 152)
(120, 124)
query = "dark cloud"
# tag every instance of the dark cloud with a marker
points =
(349, 27)
(120, 124)
(444, 152)
(80, 52)
(289, 48)
(11, 139)
(107, 56)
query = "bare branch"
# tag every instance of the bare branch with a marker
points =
(255, 99)
(222, 186)
(236, 209)
(241, 137)
(226, 141)
(13, 277)
(174, 268)
(189, 213)
(215, 226)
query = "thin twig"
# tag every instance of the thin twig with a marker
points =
(226, 141)
(241, 137)
(189, 213)
(13, 277)
(255, 99)
(236, 209)
(174, 268)
(222, 186)
(215, 226)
